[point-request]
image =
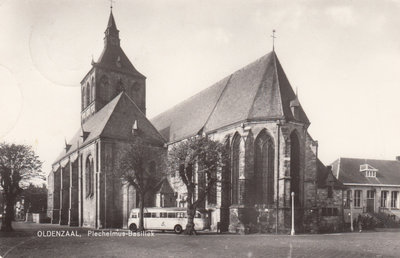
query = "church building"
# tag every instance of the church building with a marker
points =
(253, 111)
(85, 187)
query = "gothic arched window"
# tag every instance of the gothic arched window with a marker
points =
(235, 169)
(88, 99)
(295, 167)
(104, 88)
(264, 169)
(84, 104)
(89, 171)
(92, 91)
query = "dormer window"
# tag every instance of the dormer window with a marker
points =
(295, 107)
(368, 170)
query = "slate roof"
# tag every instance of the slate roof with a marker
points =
(347, 170)
(115, 121)
(325, 177)
(259, 91)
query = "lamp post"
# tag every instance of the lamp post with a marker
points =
(292, 232)
(351, 216)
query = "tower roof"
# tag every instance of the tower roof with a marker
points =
(113, 57)
(111, 22)
(258, 92)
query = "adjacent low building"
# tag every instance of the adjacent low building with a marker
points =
(373, 186)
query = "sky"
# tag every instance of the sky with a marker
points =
(342, 56)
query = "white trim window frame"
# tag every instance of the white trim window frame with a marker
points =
(384, 195)
(357, 198)
(394, 199)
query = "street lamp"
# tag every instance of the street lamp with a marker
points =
(292, 232)
(351, 216)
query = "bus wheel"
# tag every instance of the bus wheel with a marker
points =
(178, 229)
(133, 227)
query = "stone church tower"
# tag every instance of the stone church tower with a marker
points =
(85, 186)
(110, 75)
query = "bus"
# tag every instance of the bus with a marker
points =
(166, 219)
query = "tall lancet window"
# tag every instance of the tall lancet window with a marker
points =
(104, 88)
(88, 100)
(89, 172)
(295, 167)
(235, 169)
(83, 97)
(264, 168)
(92, 91)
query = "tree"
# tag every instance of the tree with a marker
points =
(205, 154)
(18, 165)
(35, 198)
(135, 166)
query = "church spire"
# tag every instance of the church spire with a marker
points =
(111, 33)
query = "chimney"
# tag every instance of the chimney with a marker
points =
(398, 158)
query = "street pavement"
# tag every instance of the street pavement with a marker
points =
(46, 240)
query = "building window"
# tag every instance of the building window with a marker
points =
(393, 202)
(348, 199)
(295, 184)
(368, 170)
(264, 169)
(88, 95)
(357, 198)
(84, 103)
(384, 195)
(105, 92)
(235, 169)
(212, 193)
(89, 176)
(92, 96)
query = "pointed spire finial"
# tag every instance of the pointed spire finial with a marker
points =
(111, 4)
(273, 40)
(111, 33)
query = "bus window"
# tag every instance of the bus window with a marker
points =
(198, 215)
(181, 215)
(154, 215)
(147, 215)
(171, 215)
(134, 215)
(163, 215)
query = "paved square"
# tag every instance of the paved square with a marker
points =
(30, 240)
